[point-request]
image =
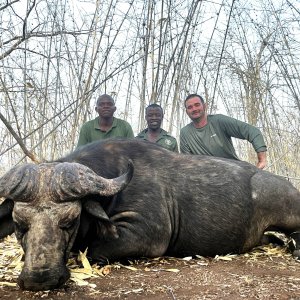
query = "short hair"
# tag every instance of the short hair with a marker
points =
(192, 96)
(154, 105)
(105, 96)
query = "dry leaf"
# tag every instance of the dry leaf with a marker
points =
(187, 258)
(202, 263)
(85, 272)
(172, 270)
(5, 283)
(83, 259)
(136, 291)
(128, 267)
(92, 285)
(199, 256)
(228, 257)
(79, 281)
(103, 271)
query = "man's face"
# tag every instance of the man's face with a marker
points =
(105, 108)
(195, 109)
(154, 116)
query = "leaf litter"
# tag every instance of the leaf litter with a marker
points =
(82, 271)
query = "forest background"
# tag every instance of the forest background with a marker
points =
(58, 56)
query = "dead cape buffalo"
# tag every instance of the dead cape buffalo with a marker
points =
(170, 204)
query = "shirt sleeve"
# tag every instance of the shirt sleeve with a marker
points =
(129, 131)
(184, 148)
(245, 131)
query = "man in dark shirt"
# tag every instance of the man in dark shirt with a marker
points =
(105, 125)
(211, 134)
(154, 133)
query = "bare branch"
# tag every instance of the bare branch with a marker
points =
(18, 139)
(8, 4)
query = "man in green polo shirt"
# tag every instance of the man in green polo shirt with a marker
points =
(154, 133)
(105, 125)
(211, 134)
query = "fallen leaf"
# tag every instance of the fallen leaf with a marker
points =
(200, 257)
(128, 267)
(134, 291)
(225, 257)
(5, 283)
(187, 258)
(83, 259)
(172, 270)
(79, 281)
(202, 263)
(103, 271)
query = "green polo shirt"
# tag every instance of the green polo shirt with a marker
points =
(164, 139)
(90, 131)
(214, 139)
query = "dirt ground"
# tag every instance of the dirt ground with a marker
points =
(265, 273)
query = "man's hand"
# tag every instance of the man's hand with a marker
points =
(262, 159)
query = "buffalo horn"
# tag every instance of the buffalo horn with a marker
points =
(73, 180)
(19, 183)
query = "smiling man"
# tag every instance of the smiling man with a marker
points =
(211, 134)
(105, 125)
(154, 133)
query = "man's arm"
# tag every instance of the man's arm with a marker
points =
(129, 131)
(243, 130)
(184, 148)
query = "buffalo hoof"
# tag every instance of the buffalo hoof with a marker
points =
(294, 244)
(270, 238)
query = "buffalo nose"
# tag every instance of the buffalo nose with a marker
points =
(42, 281)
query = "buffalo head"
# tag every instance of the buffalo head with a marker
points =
(44, 203)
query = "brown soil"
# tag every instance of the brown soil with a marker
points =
(265, 273)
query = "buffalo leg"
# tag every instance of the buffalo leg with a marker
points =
(126, 238)
(276, 206)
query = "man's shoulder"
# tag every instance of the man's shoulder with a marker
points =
(89, 123)
(186, 128)
(217, 117)
(142, 134)
(220, 118)
(167, 135)
(119, 121)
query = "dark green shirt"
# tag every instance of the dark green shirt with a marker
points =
(90, 131)
(164, 139)
(215, 138)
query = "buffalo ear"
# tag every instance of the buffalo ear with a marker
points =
(105, 228)
(7, 226)
(95, 209)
